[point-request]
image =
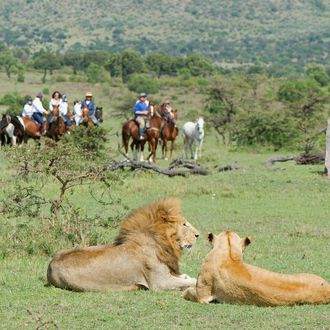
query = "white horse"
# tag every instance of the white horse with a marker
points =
(193, 133)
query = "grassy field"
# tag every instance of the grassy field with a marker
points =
(285, 210)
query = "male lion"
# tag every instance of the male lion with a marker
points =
(224, 277)
(145, 254)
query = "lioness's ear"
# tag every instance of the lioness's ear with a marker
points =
(210, 237)
(246, 241)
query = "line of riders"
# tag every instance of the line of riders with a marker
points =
(148, 123)
(34, 110)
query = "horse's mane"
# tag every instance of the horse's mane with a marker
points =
(17, 122)
(158, 221)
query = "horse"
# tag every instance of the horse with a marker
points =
(151, 134)
(86, 119)
(11, 130)
(99, 114)
(32, 129)
(57, 127)
(169, 131)
(193, 133)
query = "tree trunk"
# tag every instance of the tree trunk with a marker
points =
(327, 150)
(44, 77)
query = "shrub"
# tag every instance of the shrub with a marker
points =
(143, 83)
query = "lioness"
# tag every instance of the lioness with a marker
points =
(145, 254)
(224, 277)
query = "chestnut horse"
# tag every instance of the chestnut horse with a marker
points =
(86, 120)
(32, 129)
(57, 127)
(169, 131)
(151, 134)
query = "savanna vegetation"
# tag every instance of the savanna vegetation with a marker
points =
(263, 90)
(232, 33)
(55, 198)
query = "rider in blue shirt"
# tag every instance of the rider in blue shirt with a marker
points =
(140, 112)
(89, 103)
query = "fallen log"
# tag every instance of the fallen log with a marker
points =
(136, 165)
(229, 167)
(303, 159)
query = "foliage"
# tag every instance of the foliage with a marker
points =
(66, 168)
(9, 63)
(90, 141)
(14, 103)
(143, 83)
(95, 73)
(131, 62)
(46, 61)
(281, 33)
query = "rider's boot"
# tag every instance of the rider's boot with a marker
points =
(37, 133)
(141, 132)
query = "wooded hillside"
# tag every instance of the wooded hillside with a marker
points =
(230, 32)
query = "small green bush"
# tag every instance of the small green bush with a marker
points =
(143, 83)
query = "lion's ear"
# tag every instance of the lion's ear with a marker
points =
(210, 237)
(246, 242)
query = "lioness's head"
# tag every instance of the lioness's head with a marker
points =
(231, 242)
(187, 234)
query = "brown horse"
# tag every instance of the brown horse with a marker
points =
(86, 120)
(169, 131)
(152, 134)
(57, 127)
(32, 129)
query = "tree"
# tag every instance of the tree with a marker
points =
(113, 65)
(74, 59)
(97, 57)
(198, 65)
(46, 61)
(9, 63)
(95, 73)
(159, 63)
(305, 101)
(131, 62)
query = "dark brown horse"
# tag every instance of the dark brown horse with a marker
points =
(86, 119)
(57, 127)
(151, 134)
(169, 131)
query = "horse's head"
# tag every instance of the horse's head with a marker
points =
(200, 125)
(85, 114)
(56, 111)
(99, 114)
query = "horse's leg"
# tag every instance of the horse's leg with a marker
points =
(196, 149)
(171, 151)
(142, 150)
(200, 148)
(165, 149)
(190, 148)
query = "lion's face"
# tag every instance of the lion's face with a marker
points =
(187, 234)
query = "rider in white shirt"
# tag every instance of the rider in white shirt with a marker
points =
(28, 108)
(38, 109)
(64, 108)
(77, 112)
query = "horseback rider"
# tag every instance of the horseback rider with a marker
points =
(89, 103)
(38, 109)
(77, 111)
(56, 101)
(64, 109)
(168, 113)
(140, 112)
(28, 108)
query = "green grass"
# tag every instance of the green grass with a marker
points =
(286, 211)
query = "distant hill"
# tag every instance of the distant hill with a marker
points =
(234, 32)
